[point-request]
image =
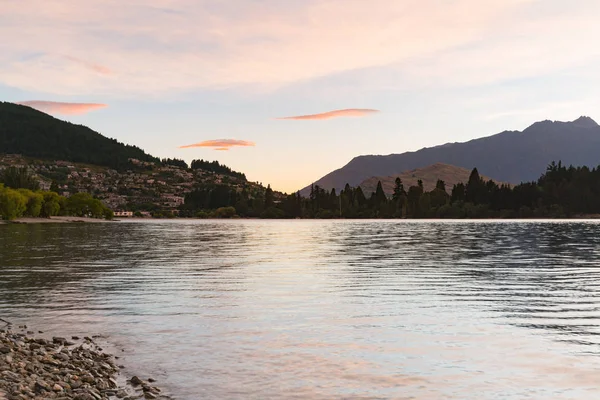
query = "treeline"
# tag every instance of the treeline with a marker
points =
(20, 197)
(215, 167)
(31, 133)
(560, 192)
(16, 203)
(225, 201)
(176, 162)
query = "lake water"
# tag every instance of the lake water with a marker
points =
(322, 309)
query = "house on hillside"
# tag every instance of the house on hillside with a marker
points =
(124, 214)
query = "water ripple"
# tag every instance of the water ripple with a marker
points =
(323, 309)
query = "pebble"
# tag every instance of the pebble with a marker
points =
(35, 368)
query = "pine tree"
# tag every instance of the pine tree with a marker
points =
(398, 190)
(380, 197)
(269, 198)
(474, 191)
(440, 184)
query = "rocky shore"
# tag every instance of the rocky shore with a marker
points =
(34, 367)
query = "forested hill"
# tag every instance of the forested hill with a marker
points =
(32, 133)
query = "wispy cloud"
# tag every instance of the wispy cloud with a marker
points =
(220, 144)
(100, 69)
(348, 112)
(54, 107)
(270, 43)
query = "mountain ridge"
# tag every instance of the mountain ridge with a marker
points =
(508, 156)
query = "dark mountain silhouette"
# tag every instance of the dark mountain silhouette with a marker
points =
(510, 156)
(32, 133)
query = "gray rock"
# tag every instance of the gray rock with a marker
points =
(58, 340)
(136, 381)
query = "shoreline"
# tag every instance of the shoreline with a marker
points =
(80, 220)
(37, 366)
(56, 220)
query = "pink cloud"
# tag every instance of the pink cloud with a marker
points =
(220, 144)
(349, 112)
(54, 107)
(264, 46)
(101, 69)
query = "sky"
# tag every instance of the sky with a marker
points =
(289, 90)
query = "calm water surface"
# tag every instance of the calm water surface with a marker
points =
(322, 309)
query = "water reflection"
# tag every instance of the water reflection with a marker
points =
(323, 309)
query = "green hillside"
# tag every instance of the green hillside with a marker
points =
(32, 133)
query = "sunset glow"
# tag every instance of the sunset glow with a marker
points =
(350, 112)
(305, 79)
(220, 144)
(54, 107)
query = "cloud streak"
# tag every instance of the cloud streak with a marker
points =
(100, 69)
(220, 144)
(268, 44)
(348, 112)
(54, 107)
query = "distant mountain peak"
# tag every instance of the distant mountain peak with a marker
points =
(509, 156)
(581, 122)
(585, 121)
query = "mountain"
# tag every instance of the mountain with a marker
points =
(450, 174)
(73, 159)
(32, 133)
(510, 156)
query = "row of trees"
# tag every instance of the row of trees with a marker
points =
(203, 201)
(16, 203)
(216, 167)
(560, 192)
(20, 197)
(175, 162)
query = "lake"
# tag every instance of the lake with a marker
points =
(303, 309)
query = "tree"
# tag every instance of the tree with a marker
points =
(34, 202)
(54, 187)
(380, 197)
(414, 197)
(398, 190)
(19, 178)
(12, 203)
(225, 212)
(214, 166)
(359, 196)
(269, 198)
(84, 205)
(438, 196)
(51, 205)
(441, 185)
(475, 189)
(458, 193)
(175, 162)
